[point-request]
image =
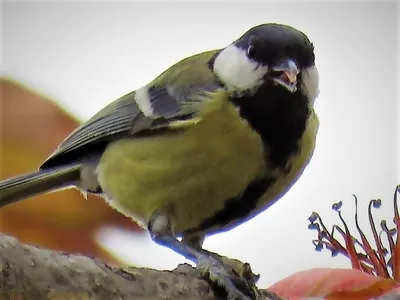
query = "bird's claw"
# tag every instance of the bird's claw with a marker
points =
(243, 270)
(224, 276)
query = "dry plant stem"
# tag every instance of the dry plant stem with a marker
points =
(28, 272)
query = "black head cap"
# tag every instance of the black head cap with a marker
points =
(269, 43)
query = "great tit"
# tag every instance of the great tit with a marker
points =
(210, 143)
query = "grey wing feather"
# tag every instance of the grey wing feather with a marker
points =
(170, 101)
(116, 118)
(170, 96)
(179, 90)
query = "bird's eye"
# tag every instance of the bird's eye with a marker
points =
(251, 51)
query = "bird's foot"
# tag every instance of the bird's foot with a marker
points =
(243, 270)
(235, 282)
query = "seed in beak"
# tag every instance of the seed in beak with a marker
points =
(288, 76)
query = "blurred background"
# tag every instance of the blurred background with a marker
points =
(63, 61)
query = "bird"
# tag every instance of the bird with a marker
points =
(209, 144)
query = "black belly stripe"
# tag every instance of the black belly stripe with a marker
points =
(235, 208)
(280, 118)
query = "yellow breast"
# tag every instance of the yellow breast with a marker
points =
(188, 173)
(283, 179)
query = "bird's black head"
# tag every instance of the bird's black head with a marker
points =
(268, 54)
(270, 44)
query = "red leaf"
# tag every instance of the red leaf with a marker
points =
(333, 284)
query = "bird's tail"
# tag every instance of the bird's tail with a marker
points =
(31, 184)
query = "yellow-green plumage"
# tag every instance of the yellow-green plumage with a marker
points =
(195, 69)
(194, 167)
(189, 173)
(210, 143)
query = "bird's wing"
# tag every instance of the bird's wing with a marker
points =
(175, 95)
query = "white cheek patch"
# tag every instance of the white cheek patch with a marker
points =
(237, 71)
(143, 101)
(310, 84)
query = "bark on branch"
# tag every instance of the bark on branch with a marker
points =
(30, 273)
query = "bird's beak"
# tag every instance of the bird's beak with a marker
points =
(285, 74)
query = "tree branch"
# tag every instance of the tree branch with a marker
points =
(30, 273)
